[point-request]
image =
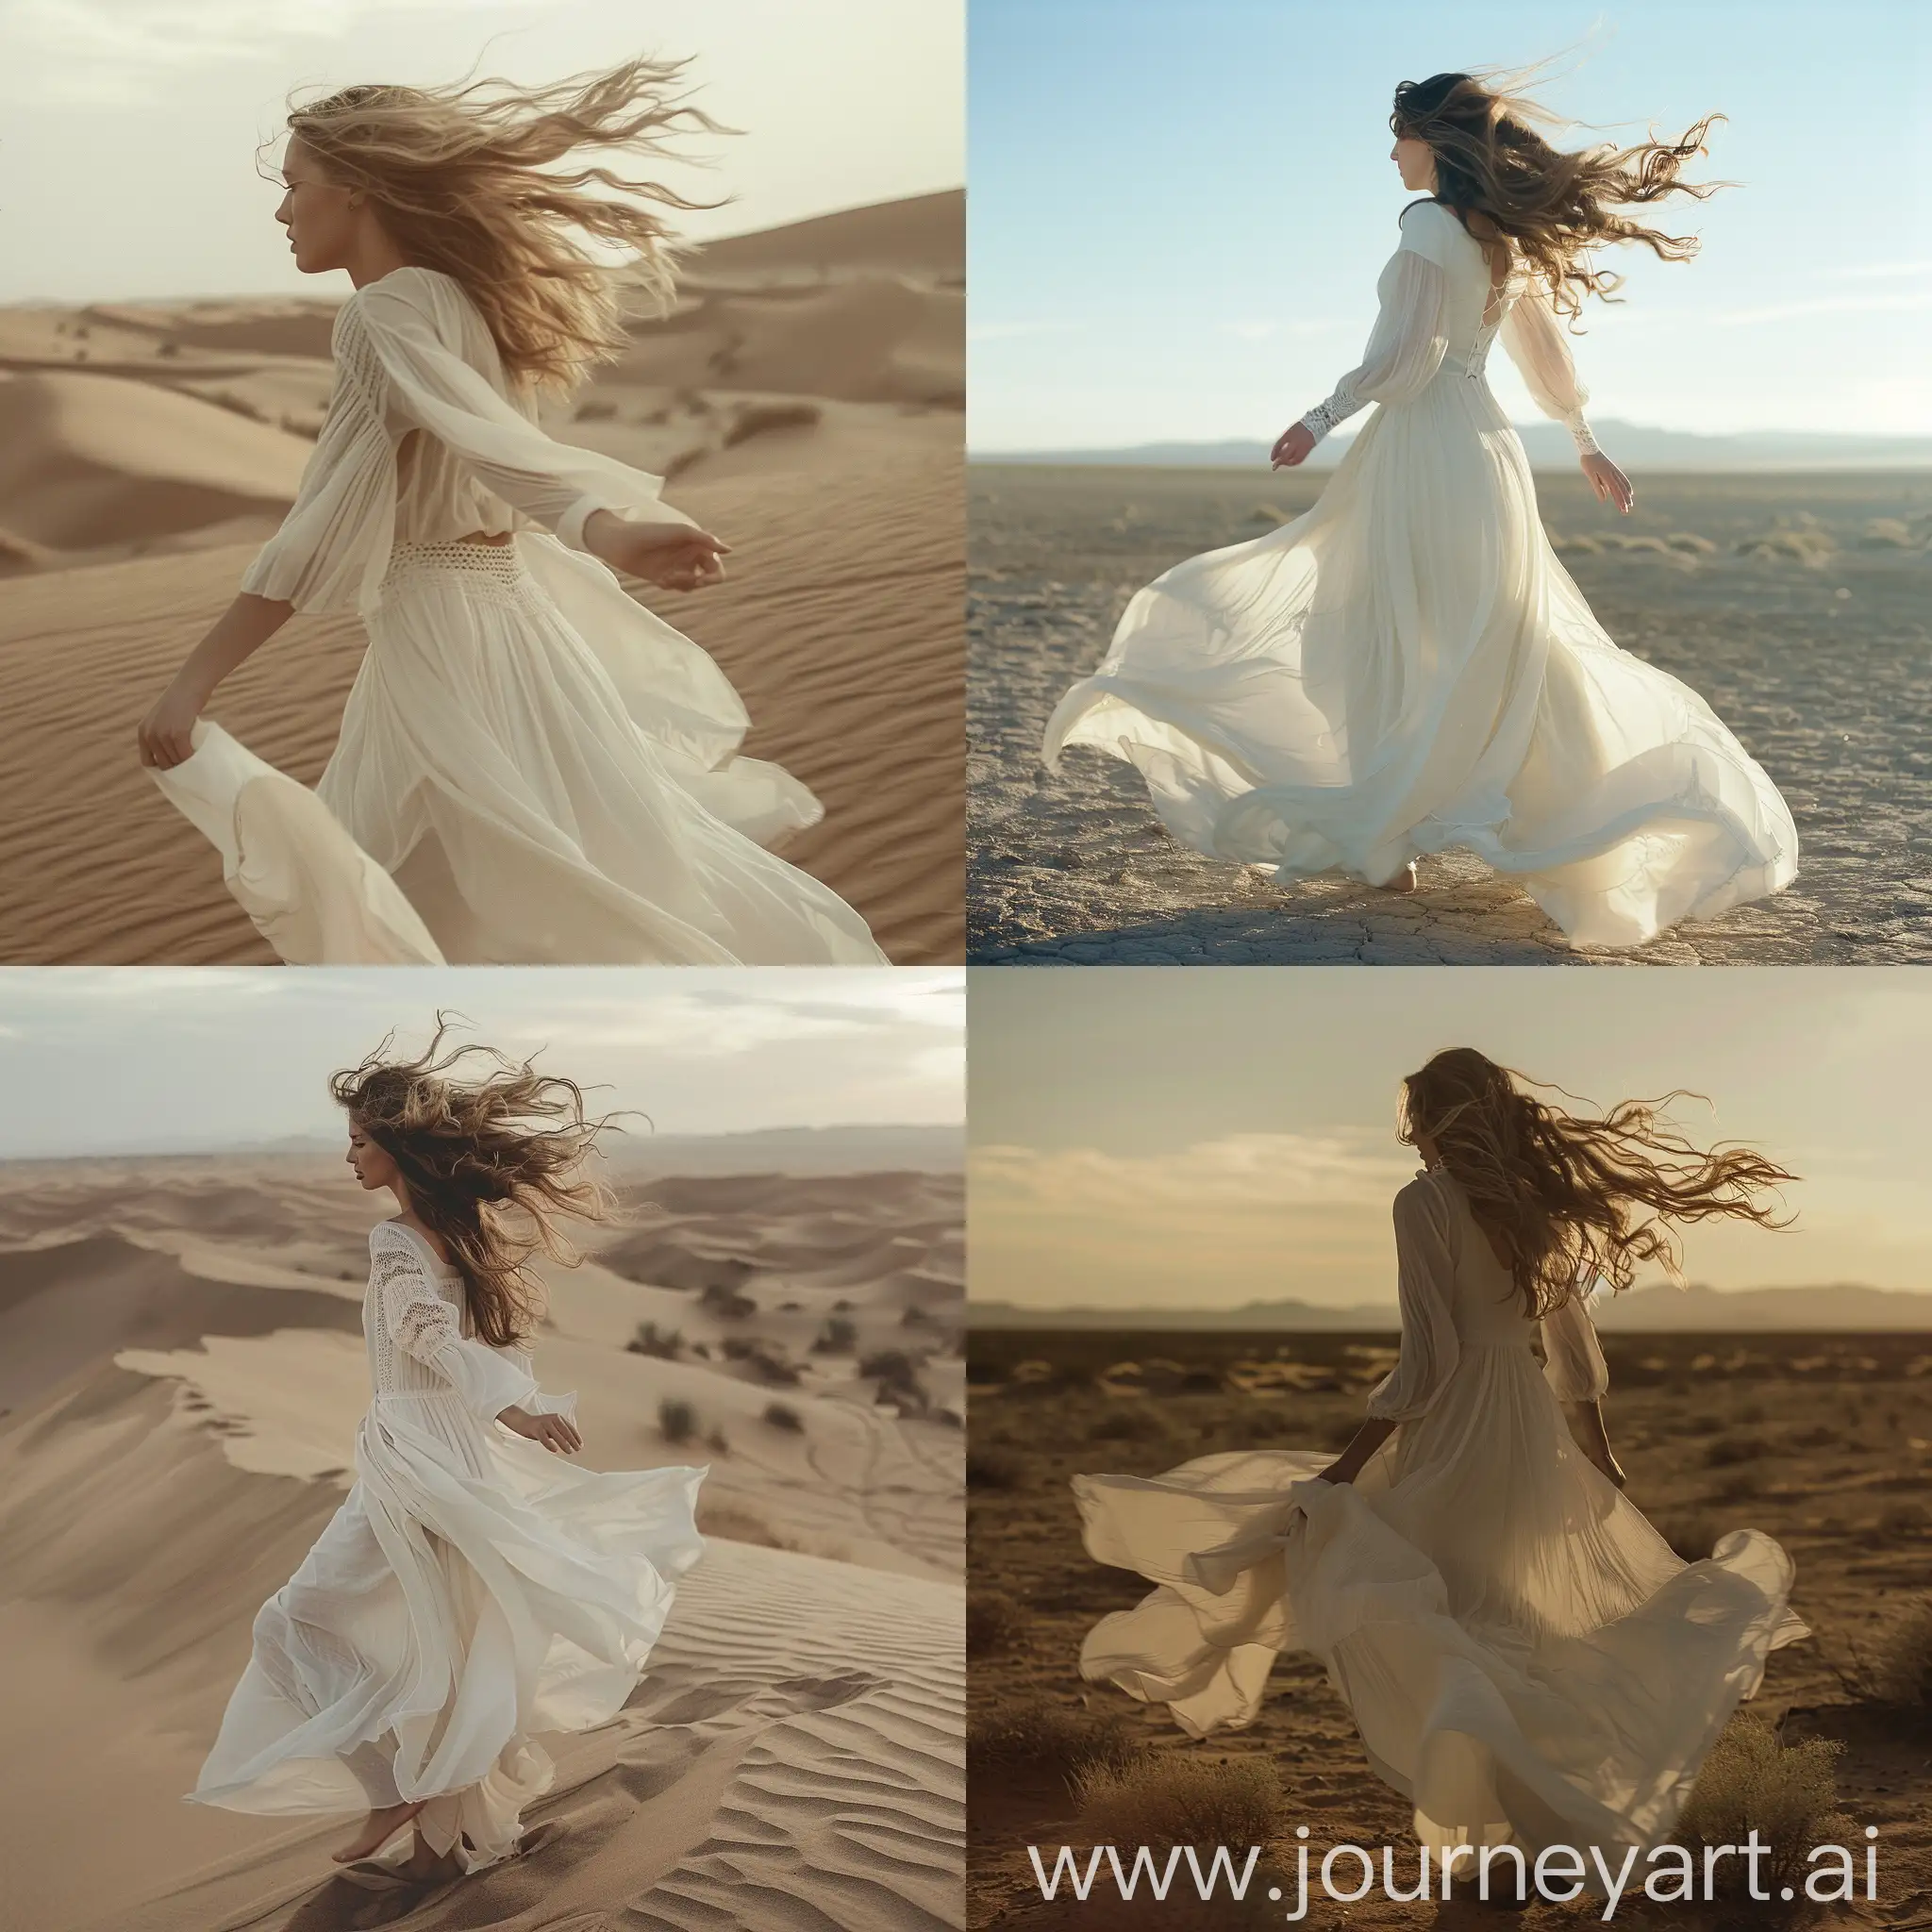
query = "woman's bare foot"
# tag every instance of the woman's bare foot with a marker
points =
(1403, 881)
(378, 1829)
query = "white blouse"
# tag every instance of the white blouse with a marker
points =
(1439, 309)
(1454, 1293)
(426, 441)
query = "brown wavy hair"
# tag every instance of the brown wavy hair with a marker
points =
(1562, 1196)
(465, 178)
(493, 1160)
(1548, 205)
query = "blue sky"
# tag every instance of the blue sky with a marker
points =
(1179, 207)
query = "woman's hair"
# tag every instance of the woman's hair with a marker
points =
(1562, 1196)
(1502, 179)
(492, 1160)
(464, 179)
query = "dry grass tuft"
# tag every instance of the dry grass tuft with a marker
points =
(1788, 1793)
(1163, 1798)
(1049, 1736)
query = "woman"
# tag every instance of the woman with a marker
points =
(472, 1591)
(1526, 1661)
(531, 768)
(1407, 669)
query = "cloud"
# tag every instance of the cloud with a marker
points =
(1266, 1173)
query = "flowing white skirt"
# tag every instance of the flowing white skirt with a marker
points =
(473, 1591)
(533, 769)
(1526, 1660)
(1407, 669)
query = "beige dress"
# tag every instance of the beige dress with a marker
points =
(1526, 1660)
(533, 767)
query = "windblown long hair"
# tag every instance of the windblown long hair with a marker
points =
(1565, 1197)
(1549, 205)
(493, 1153)
(466, 179)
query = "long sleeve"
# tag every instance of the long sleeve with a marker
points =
(1534, 341)
(1407, 342)
(422, 1324)
(336, 536)
(1426, 1267)
(408, 322)
(1573, 1361)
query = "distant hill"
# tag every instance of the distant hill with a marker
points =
(1644, 1310)
(1635, 446)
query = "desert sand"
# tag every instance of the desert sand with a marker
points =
(184, 1373)
(1800, 607)
(804, 401)
(1823, 1442)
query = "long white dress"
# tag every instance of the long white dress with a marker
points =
(1526, 1660)
(1408, 668)
(473, 1591)
(533, 769)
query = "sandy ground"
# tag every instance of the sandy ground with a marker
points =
(1821, 1441)
(183, 1376)
(1813, 641)
(805, 403)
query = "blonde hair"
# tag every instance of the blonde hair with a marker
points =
(491, 1163)
(463, 179)
(1555, 1192)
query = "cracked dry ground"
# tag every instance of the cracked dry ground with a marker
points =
(1814, 645)
(1822, 1441)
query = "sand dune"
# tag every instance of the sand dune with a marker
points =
(806, 406)
(186, 1368)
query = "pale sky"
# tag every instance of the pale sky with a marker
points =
(1179, 207)
(130, 127)
(106, 1059)
(1148, 1137)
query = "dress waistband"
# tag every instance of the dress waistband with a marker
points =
(498, 562)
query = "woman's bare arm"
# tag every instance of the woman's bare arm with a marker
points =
(1361, 1446)
(1587, 1429)
(241, 631)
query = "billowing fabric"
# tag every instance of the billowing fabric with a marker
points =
(1408, 669)
(549, 772)
(1526, 1660)
(473, 1591)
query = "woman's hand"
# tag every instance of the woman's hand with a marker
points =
(673, 556)
(1611, 484)
(1610, 1469)
(167, 733)
(1292, 447)
(1339, 1472)
(553, 1431)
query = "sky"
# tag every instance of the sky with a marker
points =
(128, 129)
(1179, 207)
(112, 1060)
(1143, 1138)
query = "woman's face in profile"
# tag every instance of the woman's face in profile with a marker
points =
(373, 1168)
(1416, 163)
(316, 213)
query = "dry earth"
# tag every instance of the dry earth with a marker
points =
(1799, 605)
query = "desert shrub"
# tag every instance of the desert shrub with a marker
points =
(840, 1336)
(774, 1370)
(1740, 1486)
(596, 410)
(718, 1443)
(1819, 1436)
(994, 1623)
(734, 1348)
(1902, 1519)
(1691, 542)
(1167, 1798)
(1900, 1671)
(781, 1415)
(727, 1302)
(994, 1469)
(1749, 1414)
(678, 1421)
(1729, 1451)
(1037, 1732)
(739, 1525)
(666, 1344)
(1134, 1423)
(915, 1317)
(1752, 1781)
